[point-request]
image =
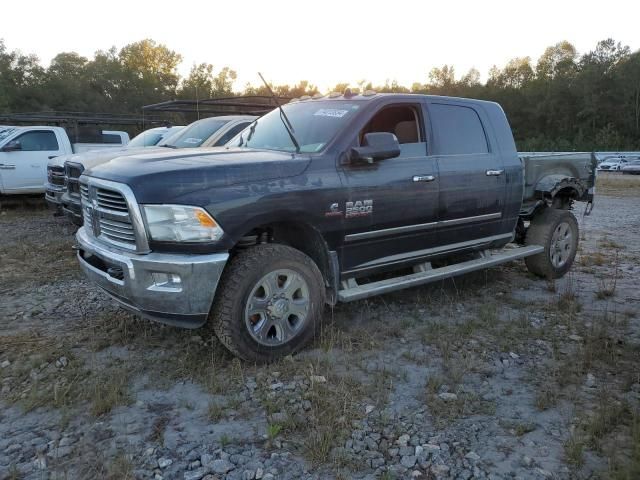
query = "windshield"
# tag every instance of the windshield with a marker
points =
(4, 133)
(195, 134)
(147, 139)
(315, 124)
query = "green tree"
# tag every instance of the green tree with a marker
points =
(149, 72)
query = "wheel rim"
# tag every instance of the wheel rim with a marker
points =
(277, 308)
(561, 245)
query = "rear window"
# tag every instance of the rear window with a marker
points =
(457, 130)
(111, 138)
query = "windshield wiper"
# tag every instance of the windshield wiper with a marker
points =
(166, 145)
(252, 129)
(283, 116)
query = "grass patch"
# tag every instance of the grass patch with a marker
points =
(574, 451)
(215, 411)
(618, 185)
(108, 392)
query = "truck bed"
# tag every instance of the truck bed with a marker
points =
(547, 173)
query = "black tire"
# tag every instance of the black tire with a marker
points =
(242, 275)
(541, 232)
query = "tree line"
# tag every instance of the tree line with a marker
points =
(563, 101)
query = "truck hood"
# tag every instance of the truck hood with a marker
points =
(97, 157)
(161, 177)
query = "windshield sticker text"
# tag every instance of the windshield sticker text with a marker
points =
(330, 112)
(192, 140)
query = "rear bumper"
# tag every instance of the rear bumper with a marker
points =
(137, 281)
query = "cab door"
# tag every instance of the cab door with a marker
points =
(472, 185)
(23, 161)
(391, 208)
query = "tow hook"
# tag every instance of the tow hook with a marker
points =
(115, 272)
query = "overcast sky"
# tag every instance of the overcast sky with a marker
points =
(325, 42)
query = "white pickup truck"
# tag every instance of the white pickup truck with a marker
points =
(25, 152)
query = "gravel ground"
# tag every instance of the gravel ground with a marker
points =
(494, 375)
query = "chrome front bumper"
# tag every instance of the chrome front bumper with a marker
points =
(53, 195)
(72, 208)
(176, 289)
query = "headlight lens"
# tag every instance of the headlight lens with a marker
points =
(180, 223)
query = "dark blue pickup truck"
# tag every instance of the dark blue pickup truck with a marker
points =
(331, 198)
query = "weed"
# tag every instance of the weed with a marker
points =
(14, 473)
(215, 411)
(158, 429)
(574, 451)
(224, 440)
(546, 397)
(108, 391)
(273, 430)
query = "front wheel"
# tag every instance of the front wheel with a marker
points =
(269, 303)
(557, 231)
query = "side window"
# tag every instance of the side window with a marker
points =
(405, 123)
(37, 141)
(233, 131)
(457, 130)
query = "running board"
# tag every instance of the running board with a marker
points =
(424, 274)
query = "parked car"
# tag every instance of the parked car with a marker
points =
(612, 164)
(208, 132)
(313, 203)
(632, 168)
(55, 186)
(25, 152)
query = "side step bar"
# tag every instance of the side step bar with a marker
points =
(424, 274)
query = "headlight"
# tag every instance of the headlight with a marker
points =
(180, 223)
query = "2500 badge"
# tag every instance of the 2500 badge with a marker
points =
(359, 208)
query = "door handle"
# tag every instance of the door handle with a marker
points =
(51, 157)
(423, 178)
(7, 167)
(494, 173)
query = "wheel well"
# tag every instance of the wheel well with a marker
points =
(300, 236)
(563, 198)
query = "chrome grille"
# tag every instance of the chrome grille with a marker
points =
(106, 215)
(72, 172)
(55, 175)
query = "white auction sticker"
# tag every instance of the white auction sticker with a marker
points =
(331, 112)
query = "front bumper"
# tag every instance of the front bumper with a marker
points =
(53, 195)
(72, 208)
(133, 280)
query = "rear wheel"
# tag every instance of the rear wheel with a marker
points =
(557, 231)
(269, 302)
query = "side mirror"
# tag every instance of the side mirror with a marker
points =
(12, 146)
(375, 146)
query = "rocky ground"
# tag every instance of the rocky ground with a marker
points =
(494, 375)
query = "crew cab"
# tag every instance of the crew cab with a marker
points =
(56, 186)
(208, 132)
(329, 199)
(25, 152)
